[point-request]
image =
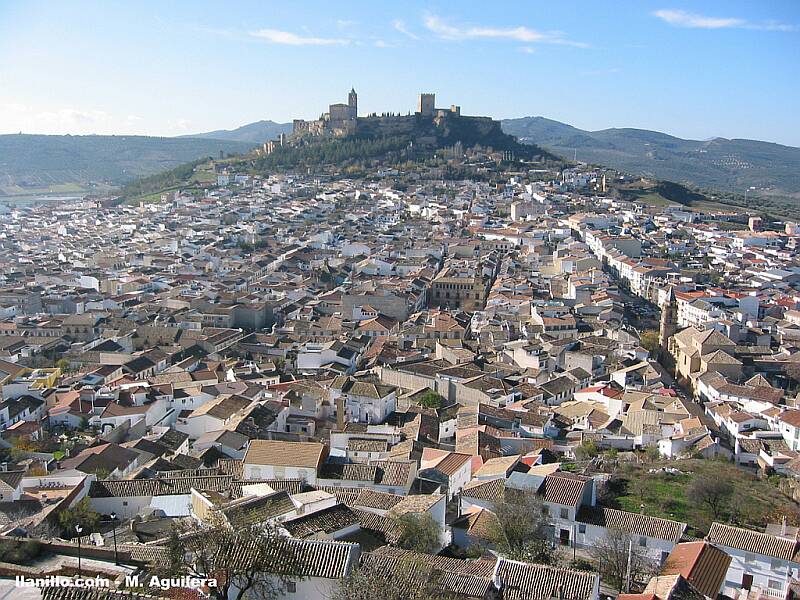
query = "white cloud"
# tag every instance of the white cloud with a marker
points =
(275, 36)
(400, 26)
(61, 120)
(682, 18)
(515, 34)
(72, 117)
(527, 49)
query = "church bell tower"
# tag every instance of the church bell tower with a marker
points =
(669, 319)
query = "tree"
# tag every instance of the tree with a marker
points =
(101, 473)
(639, 487)
(651, 454)
(587, 450)
(792, 371)
(649, 340)
(80, 514)
(420, 533)
(21, 449)
(611, 458)
(63, 364)
(613, 554)
(713, 492)
(430, 399)
(20, 552)
(253, 560)
(520, 529)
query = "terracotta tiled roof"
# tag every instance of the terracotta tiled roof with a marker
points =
(633, 523)
(292, 486)
(377, 500)
(523, 581)
(288, 454)
(564, 488)
(327, 521)
(310, 558)
(701, 564)
(752, 541)
(107, 488)
(484, 490)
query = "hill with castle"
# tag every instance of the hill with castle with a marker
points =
(426, 129)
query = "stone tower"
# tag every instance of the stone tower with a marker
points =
(352, 101)
(425, 104)
(669, 319)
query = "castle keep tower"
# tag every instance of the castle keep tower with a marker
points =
(426, 103)
(352, 102)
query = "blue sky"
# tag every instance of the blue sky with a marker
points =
(693, 69)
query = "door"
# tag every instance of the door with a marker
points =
(747, 581)
(563, 537)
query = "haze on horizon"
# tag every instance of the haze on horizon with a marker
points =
(691, 69)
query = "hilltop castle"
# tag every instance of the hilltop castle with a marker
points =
(339, 121)
(342, 119)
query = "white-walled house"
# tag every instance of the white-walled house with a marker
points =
(758, 560)
(10, 485)
(275, 459)
(211, 416)
(131, 497)
(314, 356)
(322, 564)
(452, 469)
(115, 415)
(789, 423)
(364, 401)
(433, 504)
(653, 537)
(563, 495)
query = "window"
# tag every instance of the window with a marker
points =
(643, 541)
(774, 565)
(581, 528)
(775, 584)
(291, 587)
(564, 513)
(124, 503)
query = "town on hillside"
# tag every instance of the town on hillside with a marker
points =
(467, 376)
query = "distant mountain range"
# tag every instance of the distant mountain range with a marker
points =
(726, 165)
(35, 162)
(253, 133)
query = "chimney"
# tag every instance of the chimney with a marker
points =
(783, 526)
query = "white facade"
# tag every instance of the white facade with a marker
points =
(307, 474)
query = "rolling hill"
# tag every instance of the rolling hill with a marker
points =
(38, 162)
(722, 164)
(42, 163)
(254, 133)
